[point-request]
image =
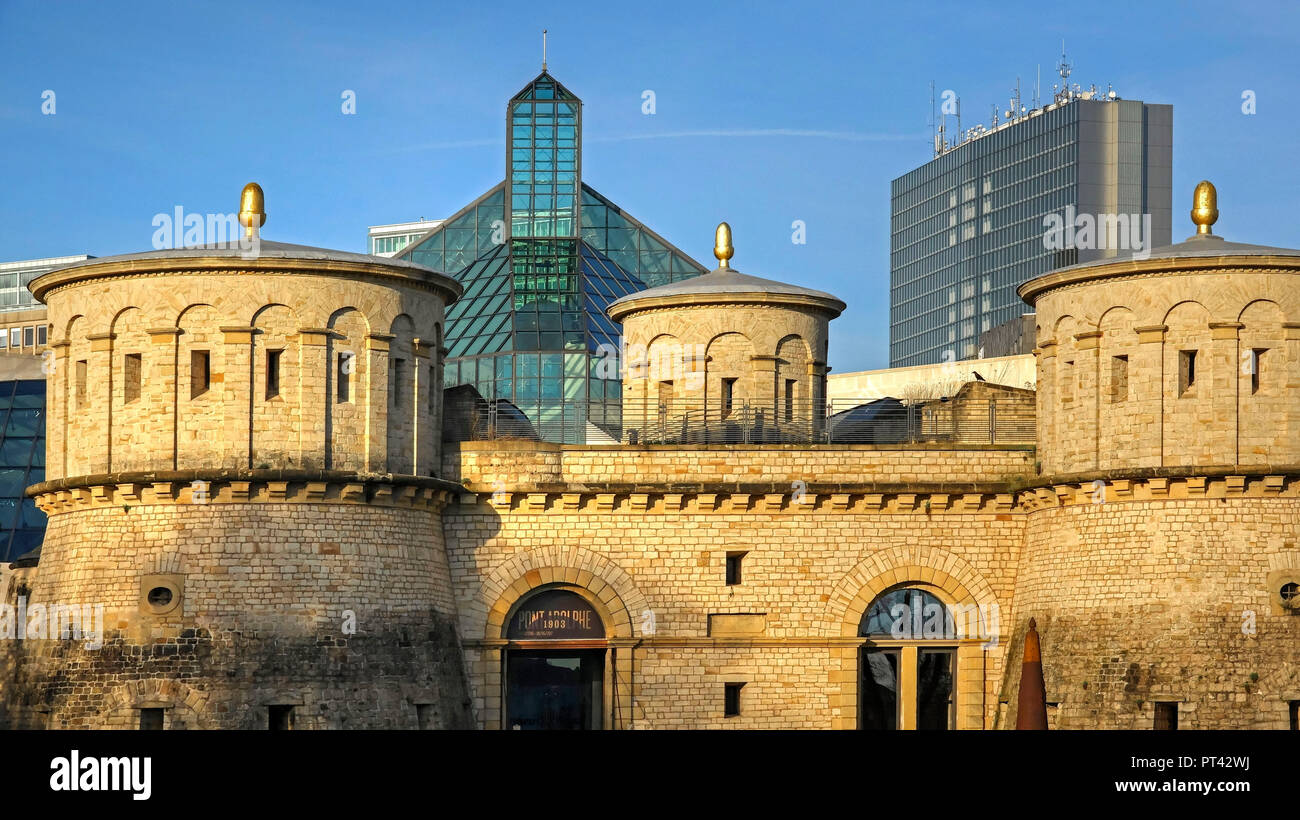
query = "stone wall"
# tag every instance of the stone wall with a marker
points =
(1165, 593)
(331, 597)
(1113, 364)
(537, 465)
(537, 516)
(146, 379)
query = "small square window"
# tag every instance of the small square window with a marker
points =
(1166, 716)
(426, 716)
(151, 720)
(279, 718)
(731, 699)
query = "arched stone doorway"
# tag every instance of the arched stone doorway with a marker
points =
(554, 662)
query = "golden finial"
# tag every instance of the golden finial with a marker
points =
(1205, 207)
(722, 248)
(252, 209)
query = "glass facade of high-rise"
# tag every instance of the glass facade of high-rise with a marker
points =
(967, 228)
(14, 277)
(541, 255)
(22, 463)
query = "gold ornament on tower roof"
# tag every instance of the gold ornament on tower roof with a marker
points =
(722, 248)
(1205, 207)
(252, 209)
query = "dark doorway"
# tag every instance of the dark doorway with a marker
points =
(554, 688)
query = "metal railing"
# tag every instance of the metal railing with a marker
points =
(838, 421)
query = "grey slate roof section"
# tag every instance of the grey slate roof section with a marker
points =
(724, 281)
(1195, 246)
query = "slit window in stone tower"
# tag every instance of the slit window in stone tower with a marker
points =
(1119, 378)
(131, 377)
(273, 373)
(399, 377)
(343, 377)
(789, 400)
(1186, 371)
(200, 373)
(1256, 368)
(728, 396)
(81, 383)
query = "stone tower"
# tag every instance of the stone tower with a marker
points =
(1160, 557)
(725, 357)
(243, 448)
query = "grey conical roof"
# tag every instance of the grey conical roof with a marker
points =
(729, 285)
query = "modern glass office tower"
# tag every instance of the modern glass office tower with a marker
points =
(541, 255)
(967, 228)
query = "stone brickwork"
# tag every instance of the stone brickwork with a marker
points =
(813, 564)
(516, 464)
(333, 599)
(1113, 363)
(769, 347)
(1164, 599)
(234, 457)
(170, 370)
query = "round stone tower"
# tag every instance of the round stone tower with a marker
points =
(1162, 553)
(242, 461)
(724, 357)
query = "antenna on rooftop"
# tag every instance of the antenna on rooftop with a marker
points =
(544, 49)
(1063, 68)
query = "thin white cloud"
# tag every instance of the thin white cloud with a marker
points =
(851, 136)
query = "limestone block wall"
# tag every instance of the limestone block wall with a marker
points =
(332, 597)
(1167, 591)
(656, 565)
(1115, 347)
(528, 464)
(243, 364)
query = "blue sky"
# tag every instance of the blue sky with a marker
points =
(766, 113)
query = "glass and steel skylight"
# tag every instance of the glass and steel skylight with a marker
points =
(541, 256)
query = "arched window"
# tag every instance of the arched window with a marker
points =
(908, 614)
(906, 674)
